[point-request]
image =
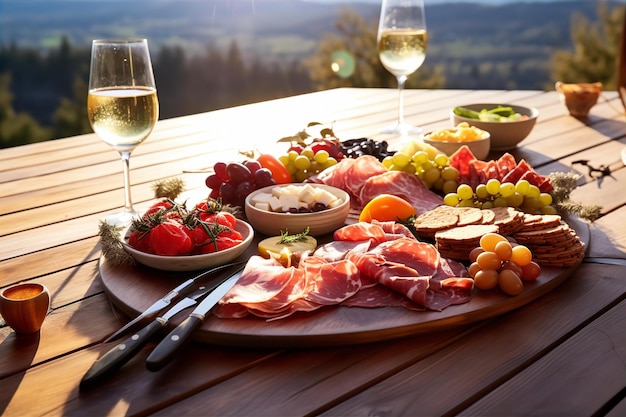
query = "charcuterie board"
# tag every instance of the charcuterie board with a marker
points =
(134, 288)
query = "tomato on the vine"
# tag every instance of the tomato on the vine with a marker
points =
(387, 207)
(170, 239)
(279, 172)
(162, 205)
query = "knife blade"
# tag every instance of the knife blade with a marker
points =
(165, 351)
(124, 351)
(174, 294)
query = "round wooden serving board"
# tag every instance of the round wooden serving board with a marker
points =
(133, 289)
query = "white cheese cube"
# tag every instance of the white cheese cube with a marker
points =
(274, 204)
(260, 198)
(308, 194)
(326, 198)
(288, 201)
(262, 206)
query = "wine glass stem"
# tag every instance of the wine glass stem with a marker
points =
(128, 206)
(401, 81)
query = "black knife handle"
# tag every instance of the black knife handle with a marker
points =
(165, 351)
(119, 355)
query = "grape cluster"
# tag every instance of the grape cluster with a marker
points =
(353, 148)
(499, 263)
(436, 173)
(302, 163)
(522, 195)
(232, 182)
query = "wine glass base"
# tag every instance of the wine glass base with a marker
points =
(402, 129)
(121, 219)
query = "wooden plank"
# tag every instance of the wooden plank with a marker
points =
(561, 383)
(608, 235)
(451, 379)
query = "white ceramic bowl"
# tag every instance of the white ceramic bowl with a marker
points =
(504, 135)
(319, 223)
(196, 262)
(479, 147)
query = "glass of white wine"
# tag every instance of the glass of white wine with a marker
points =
(122, 103)
(402, 40)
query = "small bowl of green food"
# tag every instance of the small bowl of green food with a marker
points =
(507, 124)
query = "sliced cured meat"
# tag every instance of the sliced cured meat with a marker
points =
(394, 230)
(338, 249)
(516, 173)
(379, 296)
(330, 282)
(451, 291)
(401, 184)
(419, 256)
(362, 231)
(506, 163)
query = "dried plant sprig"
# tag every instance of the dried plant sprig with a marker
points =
(169, 188)
(111, 245)
(563, 184)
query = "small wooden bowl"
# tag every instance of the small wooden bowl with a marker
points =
(24, 306)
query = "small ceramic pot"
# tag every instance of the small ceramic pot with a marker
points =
(579, 98)
(25, 306)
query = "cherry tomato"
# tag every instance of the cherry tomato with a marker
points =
(170, 239)
(279, 171)
(162, 205)
(387, 207)
(140, 241)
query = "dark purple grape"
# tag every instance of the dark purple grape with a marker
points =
(214, 182)
(220, 169)
(244, 188)
(318, 207)
(263, 178)
(238, 172)
(253, 165)
(228, 192)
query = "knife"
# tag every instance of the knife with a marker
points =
(181, 290)
(123, 352)
(165, 351)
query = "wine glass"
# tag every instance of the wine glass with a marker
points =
(122, 103)
(402, 43)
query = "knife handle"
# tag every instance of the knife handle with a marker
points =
(119, 355)
(165, 351)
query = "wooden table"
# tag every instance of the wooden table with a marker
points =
(562, 354)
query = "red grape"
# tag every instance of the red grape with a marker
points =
(220, 169)
(238, 172)
(263, 178)
(214, 181)
(253, 165)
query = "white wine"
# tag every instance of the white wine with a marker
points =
(123, 116)
(402, 51)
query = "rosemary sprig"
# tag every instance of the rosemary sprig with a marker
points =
(111, 245)
(287, 239)
(563, 184)
(168, 188)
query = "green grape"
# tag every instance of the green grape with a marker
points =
(515, 200)
(301, 175)
(522, 187)
(431, 175)
(410, 168)
(531, 204)
(465, 192)
(493, 186)
(291, 168)
(308, 152)
(487, 205)
(449, 186)
(293, 155)
(302, 162)
(400, 159)
(466, 203)
(387, 161)
(507, 189)
(427, 165)
(451, 199)
(548, 210)
(321, 156)
(534, 191)
(438, 185)
(545, 198)
(449, 173)
(441, 159)
(481, 191)
(420, 157)
(284, 159)
(500, 202)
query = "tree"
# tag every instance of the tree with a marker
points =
(71, 117)
(350, 59)
(17, 128)
(596, 49)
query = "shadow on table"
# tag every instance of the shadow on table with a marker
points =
(19, 349)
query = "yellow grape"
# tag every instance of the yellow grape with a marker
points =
(400, 159)
(308, 152)
(420, 157)
(548, 210)
(441, 159)
(302, 162)
(509, 282)
(507, 189)
(473, 269)
(545, 198)
(474, 253)
(533, 191)
(489, 260)
(449, 186)
(451, 199)
(489, 241)
(321, 156)
(521, 255)
(481, 191)
(465, 192)
(449, 173)
(493, 186)
(530, 272)
(504, 250)
(522, 187)
(486, 279)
